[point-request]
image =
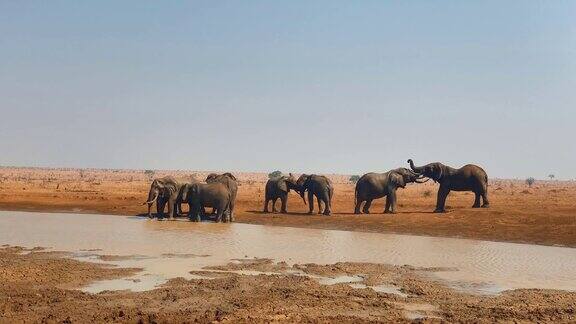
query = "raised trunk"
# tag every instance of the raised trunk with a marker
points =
(414, 168)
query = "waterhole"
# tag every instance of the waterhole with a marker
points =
(172, 249)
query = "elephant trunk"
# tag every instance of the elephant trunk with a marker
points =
(302, 195)
(185, 193)
(413, 167)
(151, 200)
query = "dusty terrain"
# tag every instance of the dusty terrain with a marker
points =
(36, 286)
(543, 214)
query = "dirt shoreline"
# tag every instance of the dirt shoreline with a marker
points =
(38, 286)
(543, 214)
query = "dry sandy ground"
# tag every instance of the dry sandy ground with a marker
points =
(543, 214)
(36, 286)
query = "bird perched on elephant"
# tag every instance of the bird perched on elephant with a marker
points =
(377, 185)
(231, 183)
(278, 188)
(468, 178)
(319, 186)
(164, 191)
(201, 195)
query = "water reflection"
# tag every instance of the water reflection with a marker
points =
(491, 265)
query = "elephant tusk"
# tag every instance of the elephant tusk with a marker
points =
(151, 201)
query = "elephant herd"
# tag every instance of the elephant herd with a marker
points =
(219, 191)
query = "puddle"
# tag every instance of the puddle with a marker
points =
(340, 279)
(172, 249)
(418, 311)
(387, 289)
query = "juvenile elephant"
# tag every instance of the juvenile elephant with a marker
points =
(278, 188)
(319, 186)
(164, 191)
(231, 183)
(468, 178)
(201, 195)
(377, 185)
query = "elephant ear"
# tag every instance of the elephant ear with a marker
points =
(397, 180)
(230, 175)
(438, 172)
(282, 186)
(159, 183)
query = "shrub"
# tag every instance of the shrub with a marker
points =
(530, 181)
(354, 178)
(149, 174)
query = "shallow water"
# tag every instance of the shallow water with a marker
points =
(171, 249)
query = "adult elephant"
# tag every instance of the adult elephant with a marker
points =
(377, 185)
(278, 188)
(164, 191)
(468, 178)
(201, 195)
(231, 183)
(319, 186)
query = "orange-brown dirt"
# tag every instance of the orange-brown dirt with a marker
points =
(543, 214)
(36, 287)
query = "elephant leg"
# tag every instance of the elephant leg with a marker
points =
(387, 207)
(171, 207)
(366, 209)
(319, 201)
(219, 213)
(391, 202)
(284, 200)
(441, 201)
(274, 204)
(149, 210)
(485, 202)
(310, 202)
(231, 210)
(357, 207)
(476, 200)
(327, 202)
(266, 201)
(160, 204)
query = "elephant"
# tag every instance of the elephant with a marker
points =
(164, 191)
(200, 195)
(319, 186)
(231, 183)
(279, 188)
(377, 185)
(468, 178)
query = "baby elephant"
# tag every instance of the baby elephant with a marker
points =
(201, 195)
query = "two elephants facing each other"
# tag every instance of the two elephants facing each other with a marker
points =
(468, 178)
(316, 185)
(279, 188)
(377, 185)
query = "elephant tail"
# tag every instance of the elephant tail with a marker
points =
(355, 195)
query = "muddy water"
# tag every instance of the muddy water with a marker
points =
(169, 249)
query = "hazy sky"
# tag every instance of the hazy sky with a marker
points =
(315, 86)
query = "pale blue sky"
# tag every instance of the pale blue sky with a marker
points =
(303, 86)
